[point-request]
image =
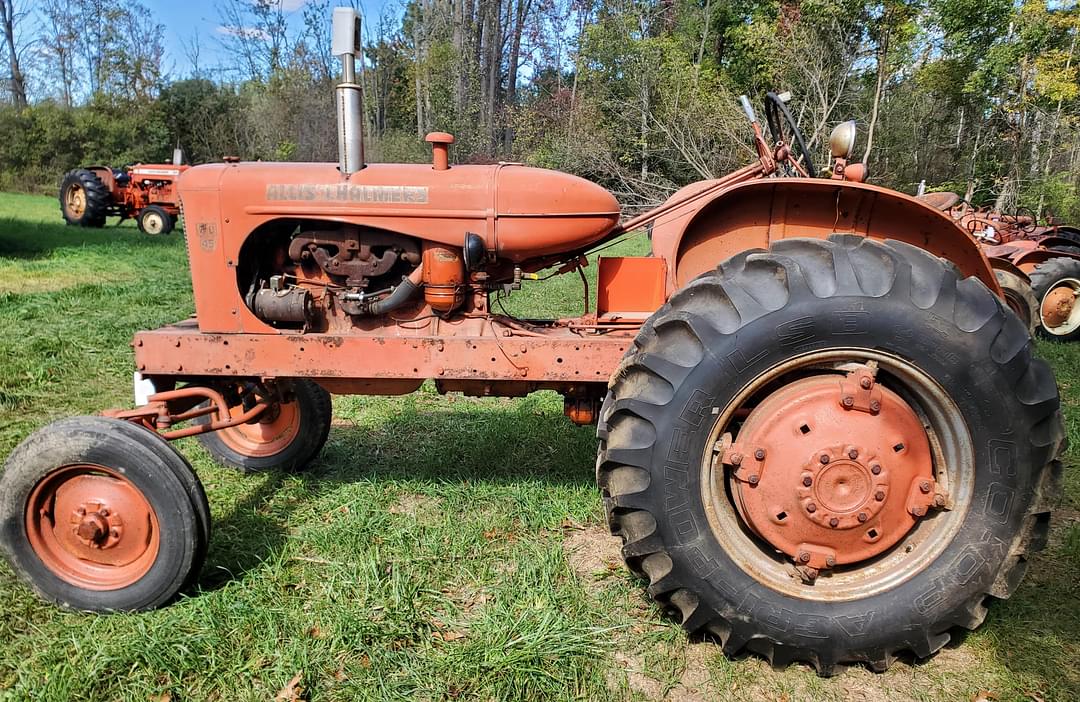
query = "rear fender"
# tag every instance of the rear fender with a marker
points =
(754, 214)
(105, 175)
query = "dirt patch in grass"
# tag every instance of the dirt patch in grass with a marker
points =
(593, 554)
(423, 508)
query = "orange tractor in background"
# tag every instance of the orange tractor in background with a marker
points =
(145, 192)
(823, 436)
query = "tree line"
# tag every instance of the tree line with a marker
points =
(976, 96)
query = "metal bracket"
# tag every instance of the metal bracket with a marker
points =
(858, 389)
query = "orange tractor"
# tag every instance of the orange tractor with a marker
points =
(823, 436)
(145, 192)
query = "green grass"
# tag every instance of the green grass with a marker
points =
(440, 548)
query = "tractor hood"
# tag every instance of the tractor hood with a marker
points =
(520, 212)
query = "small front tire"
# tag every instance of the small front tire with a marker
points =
(287, 437)
(155, 221)
(98, 515)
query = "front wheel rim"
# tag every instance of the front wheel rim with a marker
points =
(268, 435)
(92, 528)
(953, 462)
(153, 223)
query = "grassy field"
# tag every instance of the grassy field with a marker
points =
(440, 548)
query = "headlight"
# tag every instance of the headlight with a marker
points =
(842, 139)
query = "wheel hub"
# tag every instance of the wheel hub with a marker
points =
(1057, 306)
(92, 528)
(832, 469)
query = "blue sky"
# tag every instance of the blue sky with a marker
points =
(184, 19)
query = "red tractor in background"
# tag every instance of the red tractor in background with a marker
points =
(822, 435)
(145, 192)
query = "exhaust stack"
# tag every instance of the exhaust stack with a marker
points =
(348, 95)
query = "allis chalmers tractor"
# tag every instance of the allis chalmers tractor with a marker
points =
(822, 435)
(1037, 266)
(146, 192)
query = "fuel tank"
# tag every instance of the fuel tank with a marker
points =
(520, 212)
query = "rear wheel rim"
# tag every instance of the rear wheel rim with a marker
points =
(75, 200)
(953, 467)
(91, 527)
(270, 434)
(1058, 311)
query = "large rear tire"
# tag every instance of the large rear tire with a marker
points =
(771, 331)
(1056, 285)
(287, 437)
(98, 514)
(84, 199)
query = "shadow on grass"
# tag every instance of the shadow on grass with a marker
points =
(496, 442)
(31, 240)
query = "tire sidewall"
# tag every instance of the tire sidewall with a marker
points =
(960, 361)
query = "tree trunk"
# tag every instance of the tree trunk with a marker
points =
(418, 48)
(882, 68)
(17, 83)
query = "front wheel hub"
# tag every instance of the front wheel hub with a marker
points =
(832, 469)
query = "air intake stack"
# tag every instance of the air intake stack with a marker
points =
(348, 94)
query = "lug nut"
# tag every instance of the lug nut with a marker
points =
(736, 459)
(103, 512)
(804, 556)
(807, 481)
(834, 522)
(824, 459)
(879, 495)
(939, 500)
(115, 533)
(862, 517)
(875, 406)
(876, 469)
(759, 454)
(811, 508)
(853, 454)
(753, 480)
(924, 486)
(919, 511)
(830, 561)
(849, 401)
(865, 383)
